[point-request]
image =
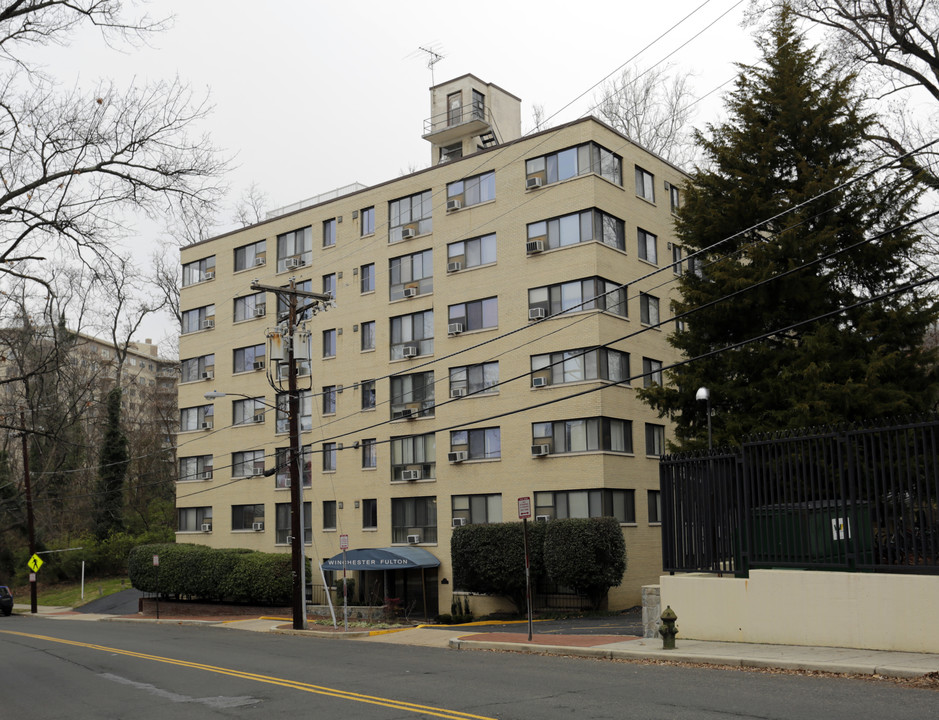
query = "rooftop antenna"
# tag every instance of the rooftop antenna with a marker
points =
(433, 57)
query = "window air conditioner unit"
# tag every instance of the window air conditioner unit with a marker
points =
(536, 313)
(542, 518)
(259, 418)
(260, 311)
(409, 351)
(206, 426)
(458, 522)
(453, 205)
(258, 365)
(207, 475)
(257, 527)
(457, 392)
(540, 450)
(293, 262)
(410, 292)
(534, 246)
(410, 474)
(208, 375)
(208, 275)
(208, 324)
(533, 183)
(455, 457)
(454, 266)
(454, 328)
(414, 539)
(407, 233)
(259, 261)
(257, 471)
(206, 527)
(403, 414)
(539, 382)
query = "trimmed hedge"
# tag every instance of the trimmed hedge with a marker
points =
(587, 555)
(206, 573)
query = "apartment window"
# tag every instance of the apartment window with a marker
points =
(329, 457)
(329, 400)
(588, 294)
(651, 372)
(247, 463)
(198, 368)
(306, 411)
(413, 453)
(580, 160)
(367, 222)
(412, 333)
(369, 514)
(192, 519)
(655, 439)
(201, 318)
(367, 388)
(200, 417)
(329, 514)
(570, 366)
(410, 216)
(369, 453)
(677, 259)
(329, 232)
(197, 467)
(473, 252)
(282, 459)
(283, 517)
(329, 284)
(247, 359)
(454, 108)
(367, 278)
(620, 504)
(473, 190)
(283, 304)
(647, 247)
(249, 256)
(414, 516)
(198, 271)
(244, 411)
(329, 343)
(477, 509)
(295, 249)
(577, 228)
(367, 339)
(674, 198)
(645, 184)
(411, 273)
(473, 379)
(250, 307)
(648, 309)
(593, 434)
(412, 395)
(654, 500)
(478, 444)
(475, 315)
(243, 517)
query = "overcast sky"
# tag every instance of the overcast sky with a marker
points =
(310, 96)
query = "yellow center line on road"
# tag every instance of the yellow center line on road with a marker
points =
(293, 684)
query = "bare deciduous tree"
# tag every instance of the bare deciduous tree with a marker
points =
(653, 108)
(251, 206)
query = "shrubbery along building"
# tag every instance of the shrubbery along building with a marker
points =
(492, 321)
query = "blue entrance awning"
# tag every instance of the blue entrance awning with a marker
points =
(393, 558)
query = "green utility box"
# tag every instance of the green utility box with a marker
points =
(811, 534)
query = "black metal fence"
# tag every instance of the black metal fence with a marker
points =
(860, 499)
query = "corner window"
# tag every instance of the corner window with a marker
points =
(577, 228)
(620, 504)
(570, 366)
(576, 296)
(596, 434)
(574, 161)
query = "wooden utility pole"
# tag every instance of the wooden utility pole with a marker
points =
(30, 525)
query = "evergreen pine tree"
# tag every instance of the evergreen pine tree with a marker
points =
(112, 469)
(795, 130)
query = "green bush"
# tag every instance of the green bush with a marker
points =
(586, 555)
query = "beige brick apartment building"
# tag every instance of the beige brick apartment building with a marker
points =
(480, 350)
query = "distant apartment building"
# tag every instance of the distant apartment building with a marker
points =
(494, 315)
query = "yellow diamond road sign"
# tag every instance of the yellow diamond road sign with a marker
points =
(35, 562)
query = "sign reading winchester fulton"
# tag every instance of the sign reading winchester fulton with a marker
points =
(382, 559)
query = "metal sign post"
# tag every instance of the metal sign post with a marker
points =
(344, 545)
(524, 512)
(156, 564)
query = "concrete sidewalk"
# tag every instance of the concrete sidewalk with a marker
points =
(474, 637)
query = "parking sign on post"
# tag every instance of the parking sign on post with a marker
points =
(524, 508)
(524, 512)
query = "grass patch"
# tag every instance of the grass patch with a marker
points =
(70, 594)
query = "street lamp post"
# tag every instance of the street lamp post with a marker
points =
(705, 395)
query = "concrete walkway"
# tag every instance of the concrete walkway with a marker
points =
(475, 637)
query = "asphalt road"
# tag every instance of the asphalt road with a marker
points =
(120, 603)
(59, 669)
